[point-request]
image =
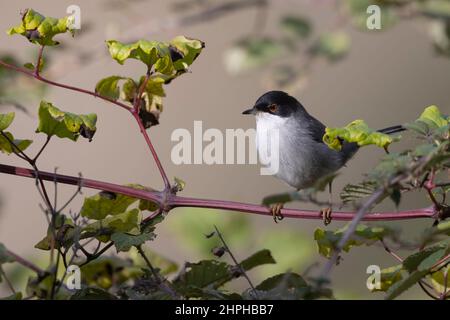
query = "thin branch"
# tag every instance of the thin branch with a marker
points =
(176, 201)
(237, 264)
(42, 149)
(152, 149)
(25, 262)
(56, 84)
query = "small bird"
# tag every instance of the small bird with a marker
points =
(303, 156)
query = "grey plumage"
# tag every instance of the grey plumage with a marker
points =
(303, 156)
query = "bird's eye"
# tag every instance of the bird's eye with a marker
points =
(273, 108)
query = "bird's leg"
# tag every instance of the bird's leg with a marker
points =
(275, 209)
(326, 212)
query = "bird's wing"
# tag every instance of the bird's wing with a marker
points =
(316, 129)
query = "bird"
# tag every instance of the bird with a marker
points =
(304, 158)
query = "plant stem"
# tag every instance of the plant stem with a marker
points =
(237, 264)
(176, 201)
(152, 149)
(25, 262)
(56, 84)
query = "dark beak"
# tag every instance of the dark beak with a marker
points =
(249, 111)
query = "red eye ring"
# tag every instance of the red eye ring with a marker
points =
(273, 108)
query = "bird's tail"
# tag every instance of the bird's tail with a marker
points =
(393, 129)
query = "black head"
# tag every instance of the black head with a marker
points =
(277, 103)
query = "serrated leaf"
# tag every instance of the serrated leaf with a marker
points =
(39, 29)
(6, 119)
(358, 132)
(53, 121)
(431, 120)
(363, 235)
(124, 241)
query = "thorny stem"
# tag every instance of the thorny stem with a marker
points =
(237, 264)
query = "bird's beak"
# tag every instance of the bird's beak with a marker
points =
(250, 111)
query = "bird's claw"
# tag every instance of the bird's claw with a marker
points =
(326, 215)
(276, 212)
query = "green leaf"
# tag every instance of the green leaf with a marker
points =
(289, 279)
(124, 222)
(422, 264)
(388, 277)
(184, 51)
(166, 58)
(296, 25)
(53, 121)
(358, 132)
(200, 275)
(109, 87)
(5, 143)
(39, 29)
(416, 260)
(259, 258)
(124, 241)
(6, 119)
(4, 256)
(429, 121)
(104, 272)
(439, 281)
(333, 46)
(363, 235)
(105, 203)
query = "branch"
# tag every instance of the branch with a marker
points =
(167, 203)
(57, 84)
(24, 262)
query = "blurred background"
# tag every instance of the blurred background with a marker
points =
(319, 51)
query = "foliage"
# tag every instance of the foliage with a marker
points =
(128, 223)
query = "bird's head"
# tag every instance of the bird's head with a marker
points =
(276, 103)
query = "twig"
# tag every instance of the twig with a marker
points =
(237, 264)
(56, 84)
(25, 262)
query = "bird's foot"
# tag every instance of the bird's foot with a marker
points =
(275, 209)
(326, 215)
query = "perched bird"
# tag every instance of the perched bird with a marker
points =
(303, 156)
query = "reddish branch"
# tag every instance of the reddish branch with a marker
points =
(167, 203)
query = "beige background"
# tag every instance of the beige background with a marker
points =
(388, 78)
